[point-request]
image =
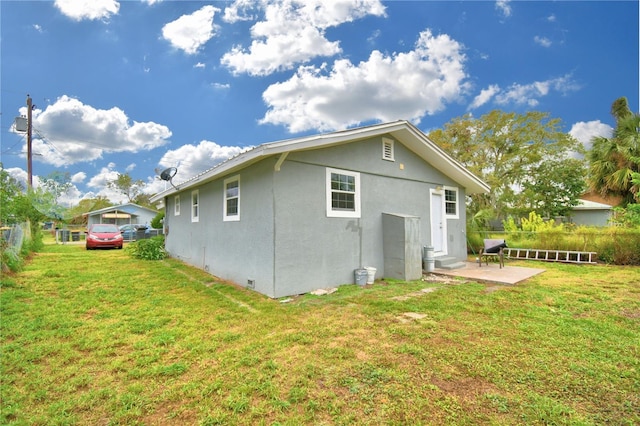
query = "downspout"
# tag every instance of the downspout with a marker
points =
(360, 234)
(276, 168)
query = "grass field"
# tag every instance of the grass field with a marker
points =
(100, 338)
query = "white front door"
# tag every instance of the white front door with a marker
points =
(438, 223)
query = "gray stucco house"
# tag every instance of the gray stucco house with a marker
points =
(122, 215)
(293, 216)
(591, 213)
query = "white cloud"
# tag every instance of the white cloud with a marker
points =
(192, 160)
(19, 175)
(240, 10)
(91, 10)
(504, 7)
(530, 94)
(220, 86)
(70, 198)
(375, 35)
(585, 131)
(100, 184)
(104, 176)
(551, 18)
(400, 86)
(542, 41)
(190, 32)
(199, 65)
(78, 177)
(484, 96)
(69, 132)
(292, 32)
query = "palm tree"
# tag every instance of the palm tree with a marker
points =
(612, 162)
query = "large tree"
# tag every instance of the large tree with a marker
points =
(127, 186)
(77, 213)
(57, 183)
(11, 194)
(19, 205)
(553, 188)
(506, 150)
(613, 161)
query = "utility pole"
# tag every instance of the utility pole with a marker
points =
(29, 153)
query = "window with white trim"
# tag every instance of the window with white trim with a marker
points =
(343, 193)
(387, 149)
(451, 202)
(195, 206)
(176, 205)
(232, 199)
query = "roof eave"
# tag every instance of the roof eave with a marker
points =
(427, 149)
(403, 130)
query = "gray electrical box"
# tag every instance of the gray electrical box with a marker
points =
(401, 246)
(21, 124)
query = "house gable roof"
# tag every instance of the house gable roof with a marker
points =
(591, 205)
(403, 131)
(126, 208)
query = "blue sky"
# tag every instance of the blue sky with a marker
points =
(135, 86)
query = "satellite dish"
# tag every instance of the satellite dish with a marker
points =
(168, 174)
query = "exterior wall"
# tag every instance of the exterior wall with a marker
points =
(591, 217)
(284, 242)
(315, 251)
(236, 251)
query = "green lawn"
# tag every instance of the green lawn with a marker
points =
(99, 338)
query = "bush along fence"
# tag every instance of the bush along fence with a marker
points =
(613, 245)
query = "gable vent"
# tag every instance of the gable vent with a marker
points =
(387, 149)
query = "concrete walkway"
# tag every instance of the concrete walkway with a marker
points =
(491, 273)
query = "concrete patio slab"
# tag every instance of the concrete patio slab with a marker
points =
(491, 273)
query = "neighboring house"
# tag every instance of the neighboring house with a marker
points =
(122, 215)
(591, 213)
(293, 216)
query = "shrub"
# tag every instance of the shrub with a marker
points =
(551, 238)
(585, 237)
(158, 220)
(628, 217)
(474, 241)
(617, 245)
(511, 228)
(533, 224)
(10, 261)
(12, 258)
(148, 249)
(620, 246)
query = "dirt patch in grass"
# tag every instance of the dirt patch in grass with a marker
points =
(465, 388)
(631, 313)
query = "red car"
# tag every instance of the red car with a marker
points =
(103, 235)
